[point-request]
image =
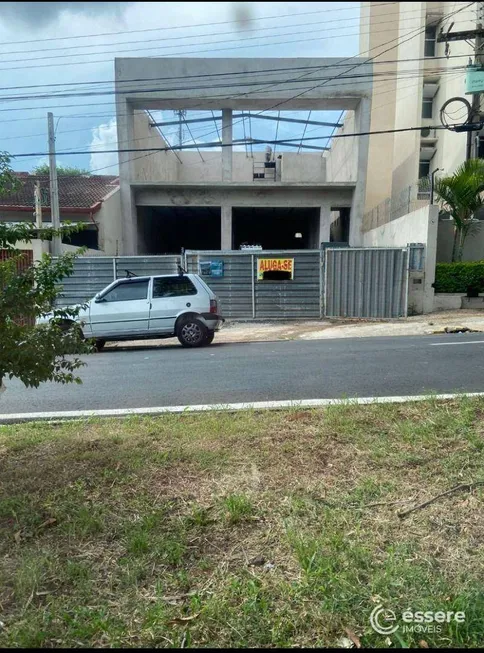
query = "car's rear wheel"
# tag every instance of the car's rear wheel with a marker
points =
(209, 338)
(192, 332)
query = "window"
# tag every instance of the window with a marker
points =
(128, 291)
(430, 36)
(423, 169)
(173, 287)
(427, 107)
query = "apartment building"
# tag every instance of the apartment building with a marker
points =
(411, 83)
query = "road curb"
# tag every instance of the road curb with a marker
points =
(16, 418)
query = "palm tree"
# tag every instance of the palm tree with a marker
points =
(461, 195)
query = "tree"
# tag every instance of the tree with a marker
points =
(461, 196)
(62, 171)
(34, 353)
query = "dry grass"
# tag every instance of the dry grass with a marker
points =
(241, 530)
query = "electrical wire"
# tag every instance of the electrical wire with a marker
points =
(212, 43)
(285, 101)
(193, 26)
(231, 32)
(180, 54)
(385, 75)
(186, 146)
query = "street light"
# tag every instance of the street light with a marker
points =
(432, 183)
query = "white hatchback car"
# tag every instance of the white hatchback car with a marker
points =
(136, 308)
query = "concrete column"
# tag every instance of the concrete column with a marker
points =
(227, 144)
(226, 226)
(362, 124)
(324, 225)
(128, 218)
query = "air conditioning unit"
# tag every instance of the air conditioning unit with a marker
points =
(428, 133)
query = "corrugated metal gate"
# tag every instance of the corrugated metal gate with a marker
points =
(242, 295)
(366, 282)
(333, 282)
(93, 273)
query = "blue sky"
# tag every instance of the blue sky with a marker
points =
(42, 47)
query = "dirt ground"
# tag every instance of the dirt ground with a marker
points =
(256, 331)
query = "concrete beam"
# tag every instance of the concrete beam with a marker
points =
(125, 130)
(227, 145)
(226, 227)
(362, 124)
(324, 225)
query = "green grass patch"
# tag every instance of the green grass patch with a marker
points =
(256, 529)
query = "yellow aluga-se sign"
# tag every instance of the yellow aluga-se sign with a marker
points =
(275, 265)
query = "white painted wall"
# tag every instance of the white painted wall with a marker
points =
(417, 227)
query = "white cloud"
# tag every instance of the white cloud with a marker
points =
(104, 137)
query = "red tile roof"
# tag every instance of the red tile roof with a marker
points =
(76, 192)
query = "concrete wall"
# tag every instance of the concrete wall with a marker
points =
(108, 219)
(89, 252)
(341, 160)
(206, 166)
(473, 248)
(155, 166)
(303, 167)
(417, 227)
(447, 301)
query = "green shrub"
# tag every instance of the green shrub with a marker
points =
(459, 277)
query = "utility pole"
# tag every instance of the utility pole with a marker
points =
(477, 35)
(181, 113)
(54, 188)
(38, 205)
(479, 61)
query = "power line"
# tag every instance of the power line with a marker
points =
(193, 26)
(359, 64)
(186, 146)
(233, 73)
(165, 47)
(177, 54)
(175, 38)
(419, 31)
(372, 75)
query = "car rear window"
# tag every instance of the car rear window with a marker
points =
(173, 287)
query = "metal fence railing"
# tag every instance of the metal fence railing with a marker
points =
(409, 199)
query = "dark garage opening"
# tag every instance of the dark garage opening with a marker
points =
(166, 229)
(340, 226)
(276, 228)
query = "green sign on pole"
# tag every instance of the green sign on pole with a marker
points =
(474, 80)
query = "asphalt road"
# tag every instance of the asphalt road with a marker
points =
(282, 370)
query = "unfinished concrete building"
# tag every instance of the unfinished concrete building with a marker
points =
(210, 195)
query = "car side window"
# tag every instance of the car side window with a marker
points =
(173, 287)
(128, 291)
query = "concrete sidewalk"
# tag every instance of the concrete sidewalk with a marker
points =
(255, 331)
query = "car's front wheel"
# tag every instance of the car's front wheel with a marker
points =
(192, 332)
